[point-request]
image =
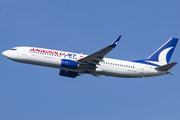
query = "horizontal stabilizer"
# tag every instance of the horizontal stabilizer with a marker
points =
(166, 67)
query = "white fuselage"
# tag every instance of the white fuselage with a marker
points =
(107, 67)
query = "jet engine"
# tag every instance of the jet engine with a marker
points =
(69, 64)
(67, 73)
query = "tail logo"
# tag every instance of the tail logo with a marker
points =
(162, 57)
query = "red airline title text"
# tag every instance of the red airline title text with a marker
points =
(53, 52)
(47, 51)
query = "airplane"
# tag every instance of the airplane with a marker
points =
(74, 64)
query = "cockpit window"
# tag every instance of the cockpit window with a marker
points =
(13, 49)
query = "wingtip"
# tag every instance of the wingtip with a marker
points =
(114, 44)
(118, 38)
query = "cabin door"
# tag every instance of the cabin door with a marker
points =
(24, 52)
(142, 69)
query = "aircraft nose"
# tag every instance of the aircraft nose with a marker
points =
(5, 53)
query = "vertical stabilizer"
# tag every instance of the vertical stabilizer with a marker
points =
(163, 55)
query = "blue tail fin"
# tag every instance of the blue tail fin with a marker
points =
(163, 55)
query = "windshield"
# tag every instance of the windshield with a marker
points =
(13, 49)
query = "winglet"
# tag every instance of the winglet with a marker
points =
(115, 42)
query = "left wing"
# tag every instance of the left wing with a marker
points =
(96, 57)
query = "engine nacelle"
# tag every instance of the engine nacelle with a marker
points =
(67, 73)
(69, 64)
